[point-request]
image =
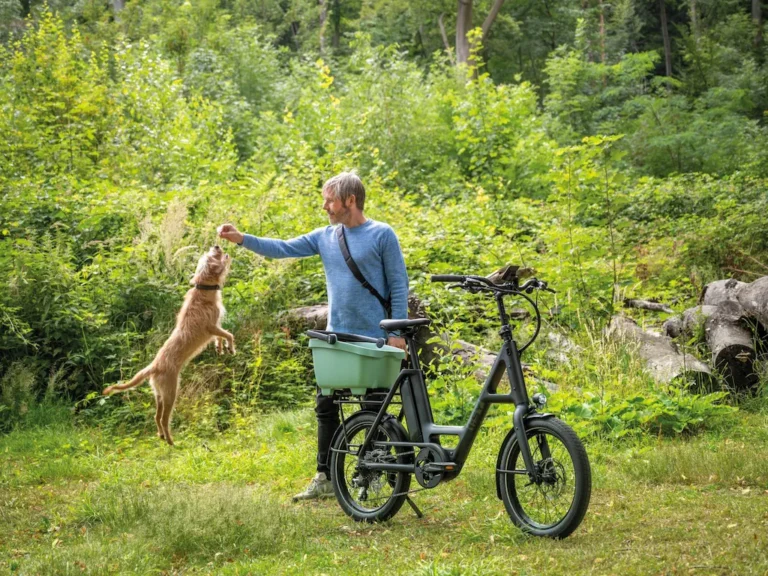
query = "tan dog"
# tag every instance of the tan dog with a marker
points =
(198, 322)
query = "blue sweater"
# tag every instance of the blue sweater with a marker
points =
(376, 251)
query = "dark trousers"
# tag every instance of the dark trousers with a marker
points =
(327, 422)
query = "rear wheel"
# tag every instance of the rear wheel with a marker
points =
(555, 505)
(369, 495)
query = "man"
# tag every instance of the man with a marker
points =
(351, 307)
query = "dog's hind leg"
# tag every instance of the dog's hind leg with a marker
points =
(159, 415)
(169, 388)
(135, 381)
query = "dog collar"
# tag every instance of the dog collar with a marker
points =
(207, 287)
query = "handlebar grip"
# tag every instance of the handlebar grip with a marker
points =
(330, 338)
(447, 278)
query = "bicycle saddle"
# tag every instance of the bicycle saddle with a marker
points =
(391, 325)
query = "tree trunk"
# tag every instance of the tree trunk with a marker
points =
(753, 298)
(688, 322)
(727, 304)
(695, 317)
(421, 41)
(665, 35)
(445, 37)
(720, 291)
(295, 34)
(664, 361)
(336, 18)
(672, 327)
(732, 345)
(602, 33)
(757, 16)
(463, 26)
(323, 18)
(647, 305)
(693, 10)
(489, 20)
(118, 5)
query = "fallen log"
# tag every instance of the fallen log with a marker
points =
(721, 291)
(688, 322)
(735, 327)
(673, 326)
(647, 305)
(695, 317)
(306, 318)
(732, 345)
(754, 299)
(663, 359)
(727, 334)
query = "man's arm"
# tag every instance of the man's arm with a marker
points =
(299, 247)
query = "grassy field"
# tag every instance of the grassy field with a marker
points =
(77, 500)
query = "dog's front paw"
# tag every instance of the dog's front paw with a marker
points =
(232, 348)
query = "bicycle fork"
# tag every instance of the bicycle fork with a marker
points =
(518, 420)
(522, 408)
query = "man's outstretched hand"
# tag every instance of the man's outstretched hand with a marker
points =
(229, 232)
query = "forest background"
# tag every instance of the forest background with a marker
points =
(620, 149)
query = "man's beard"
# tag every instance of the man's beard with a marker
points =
(338, 217)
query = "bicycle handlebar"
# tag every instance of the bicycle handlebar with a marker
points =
(474, 282)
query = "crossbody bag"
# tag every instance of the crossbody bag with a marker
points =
(356, 271)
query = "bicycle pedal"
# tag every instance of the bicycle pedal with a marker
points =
(415, 508)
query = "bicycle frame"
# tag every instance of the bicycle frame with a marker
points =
(421, 425)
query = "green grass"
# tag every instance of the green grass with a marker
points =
(78, 500)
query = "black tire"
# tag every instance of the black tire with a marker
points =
(377, 495)
(555, 507)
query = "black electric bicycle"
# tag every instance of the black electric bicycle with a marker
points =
(543, 475)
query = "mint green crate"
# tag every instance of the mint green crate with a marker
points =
(358, 366)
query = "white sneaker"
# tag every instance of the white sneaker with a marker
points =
(319, 487)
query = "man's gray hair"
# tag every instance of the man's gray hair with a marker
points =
(345, 185)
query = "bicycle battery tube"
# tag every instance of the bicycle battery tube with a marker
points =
(411, 414)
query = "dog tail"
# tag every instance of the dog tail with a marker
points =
(135, 381)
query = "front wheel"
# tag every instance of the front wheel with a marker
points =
(555, 505)
(369, 495)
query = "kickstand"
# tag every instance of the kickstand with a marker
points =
(415, 508)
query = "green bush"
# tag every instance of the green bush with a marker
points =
(661, 412)
(17, 394)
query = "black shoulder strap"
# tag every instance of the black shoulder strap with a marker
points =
(356, 271)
